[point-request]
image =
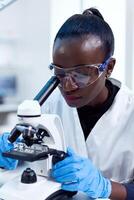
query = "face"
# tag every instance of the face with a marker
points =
(74, 52)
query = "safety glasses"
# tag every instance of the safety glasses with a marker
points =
(81, 75)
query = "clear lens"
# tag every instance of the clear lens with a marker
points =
(82, 75)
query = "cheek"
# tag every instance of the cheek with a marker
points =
(91, 92)
(87, 94)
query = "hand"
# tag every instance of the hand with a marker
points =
(5, 145)
(79, 174)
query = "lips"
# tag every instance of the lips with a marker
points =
(71, 98)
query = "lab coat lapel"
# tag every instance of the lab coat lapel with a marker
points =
(111, 140)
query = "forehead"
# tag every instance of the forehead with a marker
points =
(73, 51)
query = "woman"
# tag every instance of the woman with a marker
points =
(97, 112)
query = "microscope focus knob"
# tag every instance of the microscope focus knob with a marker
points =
(28, 176)
(58, 156)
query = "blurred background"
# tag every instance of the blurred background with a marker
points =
(27, 31)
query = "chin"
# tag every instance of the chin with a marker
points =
(71, 105)
(74, 104)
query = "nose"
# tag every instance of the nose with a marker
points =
(68, 84)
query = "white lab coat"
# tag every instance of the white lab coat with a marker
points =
(110, 145)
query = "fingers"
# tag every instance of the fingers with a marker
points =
(72, 158)
(8, 163)
(70, 152)
(4, 144)
(67, 169)
(66, 161)
(12, 164)
(64, 170)
(70, 187)
(68, 178)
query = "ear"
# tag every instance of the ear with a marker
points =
(110, 67)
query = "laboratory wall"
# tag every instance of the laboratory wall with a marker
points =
(25, 32)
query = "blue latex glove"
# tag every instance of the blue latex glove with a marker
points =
(79, 174)
(5, 145)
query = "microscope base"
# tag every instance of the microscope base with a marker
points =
(43, 189)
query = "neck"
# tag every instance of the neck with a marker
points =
(100, 98)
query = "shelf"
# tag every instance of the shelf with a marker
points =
(7, 108)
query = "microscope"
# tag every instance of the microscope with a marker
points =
(41, 144)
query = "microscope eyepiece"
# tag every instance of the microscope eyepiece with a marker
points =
(48, 88)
